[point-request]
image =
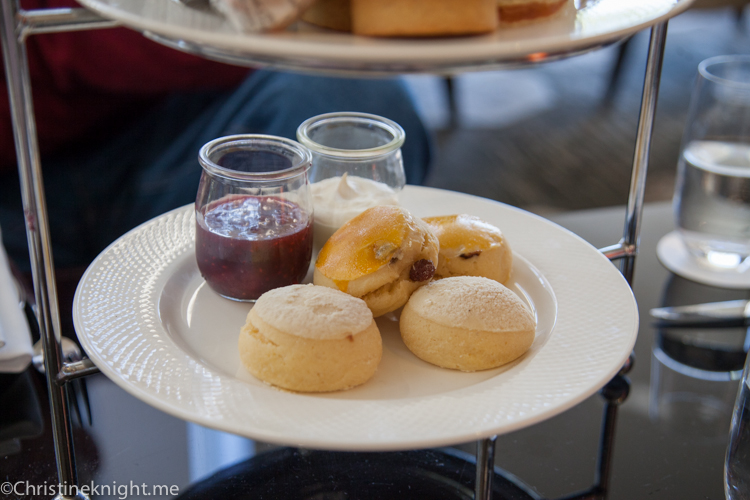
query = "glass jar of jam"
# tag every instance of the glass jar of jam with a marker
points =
(357, 164)
(253, 215)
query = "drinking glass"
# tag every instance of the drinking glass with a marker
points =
(712, 192)
(357, 164)
(253, 215)
(737, 463)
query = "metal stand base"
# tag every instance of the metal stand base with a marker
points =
(16, 25)
(627, 248)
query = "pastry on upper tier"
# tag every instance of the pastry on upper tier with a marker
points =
(253, 16)
(406, 18)
(423, 17)
(518, 11)
(470, 247)
(381, 256)
(333, 14)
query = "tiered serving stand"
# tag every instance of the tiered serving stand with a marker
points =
(589, 26)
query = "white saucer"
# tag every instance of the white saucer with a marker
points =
(674, 255)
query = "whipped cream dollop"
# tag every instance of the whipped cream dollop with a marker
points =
(339, 199)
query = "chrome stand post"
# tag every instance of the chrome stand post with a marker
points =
(614, 394)
(625, 251)
(485, 468)
(631, 233)
(15, 25)
(37, 230)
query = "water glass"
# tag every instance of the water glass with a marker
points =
(253, 215)
(356, 164)
(712, 192)
(737, 463)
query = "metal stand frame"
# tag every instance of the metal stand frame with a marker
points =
(16, 25)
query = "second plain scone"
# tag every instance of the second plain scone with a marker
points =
(467, 323)
(309, 338)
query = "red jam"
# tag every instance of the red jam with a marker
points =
(247, 245)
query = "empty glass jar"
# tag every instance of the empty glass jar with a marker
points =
(357, 164)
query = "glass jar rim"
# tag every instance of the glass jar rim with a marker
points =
(399, 136)
(227, 142)
(705, 72)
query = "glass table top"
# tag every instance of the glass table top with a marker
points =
(670, 440)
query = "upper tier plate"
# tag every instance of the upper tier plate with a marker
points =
(587, 25)
(145, 317)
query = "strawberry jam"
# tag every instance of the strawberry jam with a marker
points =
(247, 245)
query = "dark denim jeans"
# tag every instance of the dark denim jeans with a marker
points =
(95, 196)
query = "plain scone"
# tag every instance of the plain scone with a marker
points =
(308, 338)
(470, 247)
(467, 323)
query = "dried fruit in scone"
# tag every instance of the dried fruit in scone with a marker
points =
(381, 256)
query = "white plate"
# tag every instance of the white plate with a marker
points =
(146, 319)
(584, 25)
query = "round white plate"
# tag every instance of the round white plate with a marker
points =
(585, 24)
(675, 256)
(145, 317)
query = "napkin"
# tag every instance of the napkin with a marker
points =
(15, 337)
